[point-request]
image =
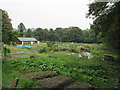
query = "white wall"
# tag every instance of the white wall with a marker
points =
(38, 42)
(31, 42)
(22, 43)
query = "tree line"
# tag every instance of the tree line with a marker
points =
(70, 34)
(105, 28)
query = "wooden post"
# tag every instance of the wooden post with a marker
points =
(14, 83)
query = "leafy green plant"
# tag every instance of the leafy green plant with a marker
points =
(92, 70)
(6, 51)
(9, 72)
(74, 50)
(42, 50)
(50, 44)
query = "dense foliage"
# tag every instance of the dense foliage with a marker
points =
(22, 30)
(29, 33)
(8, 35)
(70, 34)
(106, 22)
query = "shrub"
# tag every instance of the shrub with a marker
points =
(74, 50)
(6, 51)
(32, 56)
(50, 44)
(42, 50)
(47, 49)
(55, 48)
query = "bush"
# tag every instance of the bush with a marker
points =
(6, 51)
(32, 56)
(55, 48)
(50, 44)
(42, 50)
(74, 50)
(45, 50)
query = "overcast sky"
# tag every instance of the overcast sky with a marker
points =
(47, 13)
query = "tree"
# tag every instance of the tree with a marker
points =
(22, 30)
(59, 33)
(90, 37)
(29, 33)
(52, 35)
(8, 35)
(75, 34)
(106, 22)
(46, 34)
(41, 34)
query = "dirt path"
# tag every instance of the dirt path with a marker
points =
(13, 56)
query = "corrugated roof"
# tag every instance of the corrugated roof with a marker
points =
(26, 39)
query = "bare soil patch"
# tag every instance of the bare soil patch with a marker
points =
(55, 82)
(40, 75)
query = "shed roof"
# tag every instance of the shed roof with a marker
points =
(26, 39)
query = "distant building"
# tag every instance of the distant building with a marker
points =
(26, 40)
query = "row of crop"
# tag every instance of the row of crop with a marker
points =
(93, 73)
